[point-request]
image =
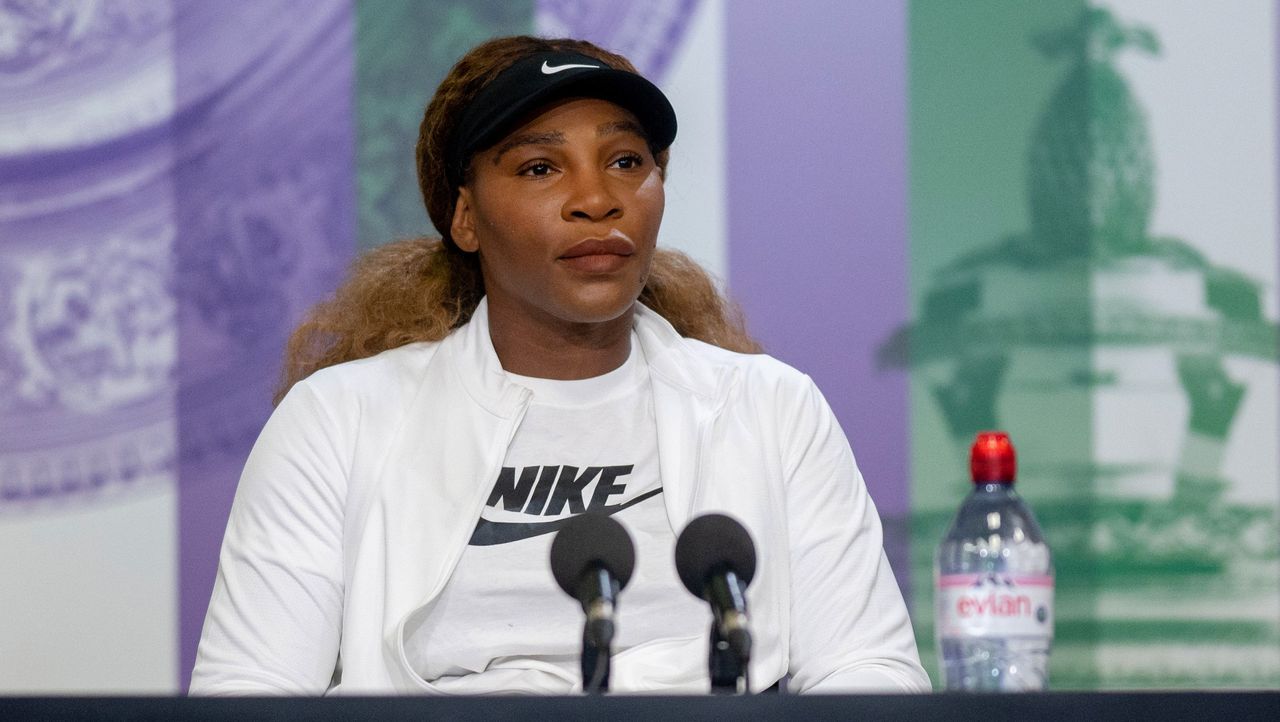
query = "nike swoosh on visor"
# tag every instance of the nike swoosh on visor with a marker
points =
(553, 69)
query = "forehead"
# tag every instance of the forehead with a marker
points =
(574, 113)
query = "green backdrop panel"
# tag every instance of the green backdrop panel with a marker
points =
(403, 50)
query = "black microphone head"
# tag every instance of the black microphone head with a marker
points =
(712, 543)
(590, 540)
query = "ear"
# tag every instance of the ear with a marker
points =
(463, 227)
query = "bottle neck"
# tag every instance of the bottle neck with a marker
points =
(993, 487)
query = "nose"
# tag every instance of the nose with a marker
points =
(592, 198)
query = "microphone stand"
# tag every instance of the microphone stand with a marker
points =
(595, 666)
(728, 673)
(597, 632)
(729, 663)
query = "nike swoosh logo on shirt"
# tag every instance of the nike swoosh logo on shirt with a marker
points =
(553, 69)
(488, 533)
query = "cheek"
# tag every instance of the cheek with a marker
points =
(499, 235)
(523, 219)
(652, 194)
(495, 220)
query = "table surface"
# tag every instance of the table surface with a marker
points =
(1073, 706)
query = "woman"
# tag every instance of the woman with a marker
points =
(459, 398)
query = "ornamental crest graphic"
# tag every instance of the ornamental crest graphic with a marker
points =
(88, 318)
(1121, 359)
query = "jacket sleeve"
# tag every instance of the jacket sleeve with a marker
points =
(274, 620)
(849, 625)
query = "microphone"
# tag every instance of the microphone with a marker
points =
(716, 561)
(592, 559)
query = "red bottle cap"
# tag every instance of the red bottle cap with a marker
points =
(991, 460)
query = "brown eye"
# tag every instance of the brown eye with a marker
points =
(536, 170)
(629, 162)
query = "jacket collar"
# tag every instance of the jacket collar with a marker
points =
(474, 365)
(478, 371)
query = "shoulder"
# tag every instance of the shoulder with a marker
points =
(371, 393)
(391, 374)
(781, 400)
(345, 411)
(755, 372)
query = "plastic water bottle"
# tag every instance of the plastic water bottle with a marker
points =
(993, 587)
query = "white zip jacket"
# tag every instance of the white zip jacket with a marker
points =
(366, 483)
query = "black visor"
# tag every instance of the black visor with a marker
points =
(540, 79)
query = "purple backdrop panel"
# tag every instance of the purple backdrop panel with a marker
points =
(86, 313)
(818, 212)
(266, 223)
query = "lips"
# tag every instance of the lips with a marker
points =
(611, 246)
(598, 255)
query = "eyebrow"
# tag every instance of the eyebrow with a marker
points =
(621, 126)
(555, 137)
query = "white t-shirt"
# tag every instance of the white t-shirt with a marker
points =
(502, 624)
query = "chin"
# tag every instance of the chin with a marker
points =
(602, 315)
(599, 309)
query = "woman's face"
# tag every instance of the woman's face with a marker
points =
(564, 212)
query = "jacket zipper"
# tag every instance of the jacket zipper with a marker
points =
(459, 546)
(704, 430)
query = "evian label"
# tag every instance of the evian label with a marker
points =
(995, 605)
